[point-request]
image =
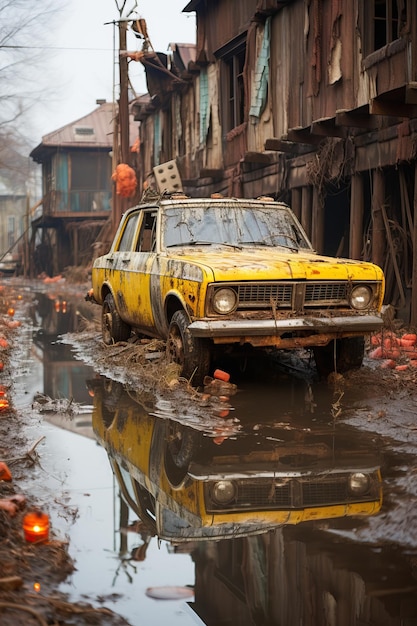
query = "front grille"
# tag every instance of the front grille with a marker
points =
(294, 493)
(331, 293)
(290, 295)
(264, 294)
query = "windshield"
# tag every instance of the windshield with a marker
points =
(232, 225)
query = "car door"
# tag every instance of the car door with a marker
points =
(136, 268)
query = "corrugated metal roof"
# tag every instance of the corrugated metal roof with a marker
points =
(94, 130)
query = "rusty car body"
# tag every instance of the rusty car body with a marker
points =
(221, 272)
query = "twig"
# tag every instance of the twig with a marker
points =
(28, 453)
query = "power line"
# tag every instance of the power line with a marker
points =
(55, 48)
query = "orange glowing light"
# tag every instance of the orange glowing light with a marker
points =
(64, 307)
(36, 526)
(10, 311)
(37, 587)
(57, 306)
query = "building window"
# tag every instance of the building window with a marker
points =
(387, 18)
(232, 85)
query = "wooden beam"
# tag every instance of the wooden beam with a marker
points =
(306, 205)
(356, 217)
(356, 120)
(281, 145)
(317, 222)
(378, 227)
(396, 109)
(296, 201)
(215, 174)
(327, 128)
(303, 135)
(411, 93)
(258, 157)
(413, 320)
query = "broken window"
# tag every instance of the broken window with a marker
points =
(232, 86)
(147, 237)
(384, 22)
(126, 241)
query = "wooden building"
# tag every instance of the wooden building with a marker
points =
(311, 101)
(77, 191)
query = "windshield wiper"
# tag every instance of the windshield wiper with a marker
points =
(255, 243)
(190, 243)
(199, 242)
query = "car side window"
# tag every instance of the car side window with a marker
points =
(147, 236)
(126, 241)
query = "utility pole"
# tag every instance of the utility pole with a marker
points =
(121, 151)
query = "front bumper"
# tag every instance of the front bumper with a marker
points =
(304, 325)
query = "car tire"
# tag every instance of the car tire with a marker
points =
(340, 355)
(180, 448)
(113, 328)
(191, 353)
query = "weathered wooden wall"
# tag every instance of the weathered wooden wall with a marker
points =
(336, 137)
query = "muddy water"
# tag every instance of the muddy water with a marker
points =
(252, 515)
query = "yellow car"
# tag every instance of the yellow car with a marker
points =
(184, 485)
(221, 272)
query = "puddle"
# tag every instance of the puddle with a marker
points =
(218, 499)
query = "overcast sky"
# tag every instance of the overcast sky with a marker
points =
(80, 57)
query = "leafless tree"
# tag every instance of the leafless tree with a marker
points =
(24, 27)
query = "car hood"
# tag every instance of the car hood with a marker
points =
(272, 264)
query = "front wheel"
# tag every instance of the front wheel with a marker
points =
(113, 328)
(340, 355)
(191, 353)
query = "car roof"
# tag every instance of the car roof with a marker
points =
(185, 201)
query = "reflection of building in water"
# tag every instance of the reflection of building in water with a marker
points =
(54, 313)
(303, 576)
(64, 377)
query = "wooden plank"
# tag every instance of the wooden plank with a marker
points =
(303, 136)
(378, 227)
(327, 128)
(397, 109)
(356, 120)
(258, 157)
(306, 206)
(280, 145)
(317, 219)
(411, 93)
(215, 174)
(414, 270)
(356, 217)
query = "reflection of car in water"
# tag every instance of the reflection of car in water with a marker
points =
(186, 486)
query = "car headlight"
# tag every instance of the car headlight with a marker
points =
(359, 483)
(360, 297)
(224, 301)
(223, 492)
